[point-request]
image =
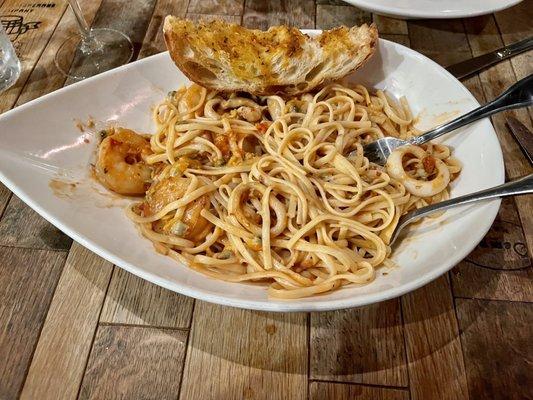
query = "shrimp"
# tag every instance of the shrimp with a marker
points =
(121, 165)
(192, 225)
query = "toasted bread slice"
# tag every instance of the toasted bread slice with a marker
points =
(228, 57)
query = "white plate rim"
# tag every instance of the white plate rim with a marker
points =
(393, 11)
(288, 306)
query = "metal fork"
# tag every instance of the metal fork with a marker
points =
(518, 95)
(519, 186)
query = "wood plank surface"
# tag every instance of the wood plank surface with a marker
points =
(330, 16)
(5, 194)
(216, 7)
(27, 282)
(504, 247)
(134, 341)
(444, 41)
(241, 354)
(435, 364)
(154, 41)
(234, 19)
(45, 77)
(434, 354)
(20, 226)
(514, 24)
(331, 2)
(359, 345)
(392, 29)
(483, 36)
(388, 26)
(134, 363)
(59, 361)
(130, 17)
(496, 339)
(262, 14)
(471, 281)
(29, 43)
(337, 391)
(499, 268)
(132, 300)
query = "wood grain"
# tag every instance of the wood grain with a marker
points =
(130, 17)
(499, 268)
(329, 16)
(216, 7)
(435, 360)
(515, 24)
(496, 339)
(154, 41)
(387, 25)
(359, 345)
(27, 282)
(331, 2)
(444, 41)
(504, 246)
(263, 14)
(435, 363)
(240, 354)
(30, 44)
(392, 29)
(132, 300)
(59, 361)
(134, 363)
(5, 194)
(45, 77)
(469, 280)
(20, 226)
(483, 36)
(337, 391)
(400, 39)
(234, 19)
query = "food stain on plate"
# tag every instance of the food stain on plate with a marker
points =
(86, 192)
(63, 189)
(426, 121)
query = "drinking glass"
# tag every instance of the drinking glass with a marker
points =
(94, 50)
(9, 62)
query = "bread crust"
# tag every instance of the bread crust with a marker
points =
(284, 61)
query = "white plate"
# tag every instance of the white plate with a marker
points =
(40, 143)
(433, 8)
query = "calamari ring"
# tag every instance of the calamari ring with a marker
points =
(414, 186)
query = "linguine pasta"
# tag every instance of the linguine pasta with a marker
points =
(266, 189)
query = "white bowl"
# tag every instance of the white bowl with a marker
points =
(41, 148)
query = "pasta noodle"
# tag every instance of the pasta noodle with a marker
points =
(266, 189)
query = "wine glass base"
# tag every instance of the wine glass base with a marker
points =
(76, 61)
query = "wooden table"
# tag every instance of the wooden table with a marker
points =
(73, 325)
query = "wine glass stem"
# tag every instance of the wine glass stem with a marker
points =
(82, 23)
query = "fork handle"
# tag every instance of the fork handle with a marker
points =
(518, 95)
(519, 186)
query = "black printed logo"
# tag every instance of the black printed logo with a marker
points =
(16, 26)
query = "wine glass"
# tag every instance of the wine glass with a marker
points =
(95, 50)
(9, 63)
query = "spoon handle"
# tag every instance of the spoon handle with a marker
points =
(518, 95)
(519, 186)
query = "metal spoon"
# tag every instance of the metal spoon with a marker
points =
(519, 186)
(518, 95)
